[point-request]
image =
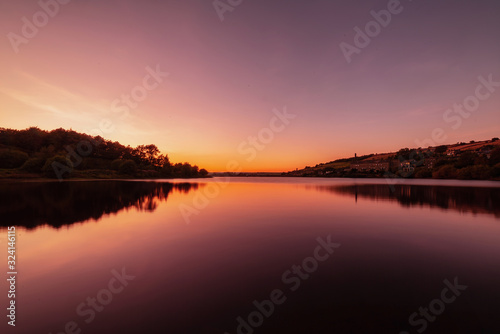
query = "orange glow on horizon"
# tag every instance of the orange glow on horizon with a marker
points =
(199, 89)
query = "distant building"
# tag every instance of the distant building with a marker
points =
(485, 151)
(430, 163)
(408, 166)
(453, 152)
(376, 165)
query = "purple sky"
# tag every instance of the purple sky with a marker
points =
(226, 77)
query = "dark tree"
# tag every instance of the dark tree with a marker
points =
(466, 159)
(495, 157)
(38, 151)
(441, 149)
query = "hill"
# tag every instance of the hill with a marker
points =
(473, 160)
(60, 153)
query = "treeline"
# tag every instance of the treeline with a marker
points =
(64, 153)
(469, 165)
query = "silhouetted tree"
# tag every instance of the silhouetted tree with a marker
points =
(58, 167)
(441, 149)
(34, 150)
(12, 158)
(33, 165)
(495, 171)
(445, 172)
(128, 167)
(466, 159)
(495, 157)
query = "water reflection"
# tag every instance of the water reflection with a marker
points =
(31, 204)
(200, 277)
(463, 199)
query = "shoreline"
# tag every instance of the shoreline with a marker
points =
(79, 179)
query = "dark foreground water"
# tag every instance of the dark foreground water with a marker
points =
(253, 255)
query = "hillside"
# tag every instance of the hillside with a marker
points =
(60, 153)
(473, 160)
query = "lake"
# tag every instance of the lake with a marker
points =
(254, 255)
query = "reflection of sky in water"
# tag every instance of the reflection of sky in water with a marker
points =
(199, 277)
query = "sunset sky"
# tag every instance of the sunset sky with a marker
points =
(225, 77)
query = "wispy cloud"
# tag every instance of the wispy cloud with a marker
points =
(60, 103)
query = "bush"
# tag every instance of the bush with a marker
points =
(128, 167)
(405, 174)
(495, 157)
(94, 163)
(441, 149)
(445, 172)
(465, 173)
(495, 171)
(12, 158)
(203, 172)
(480, 172)
(466, 159)
(423, 173)
(442, 162)
(166, 170)
(33, 165)
(58, 167)
(115, 164)
(146, 166)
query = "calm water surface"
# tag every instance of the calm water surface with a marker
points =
(208, 255)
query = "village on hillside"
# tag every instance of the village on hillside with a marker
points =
(474, 160)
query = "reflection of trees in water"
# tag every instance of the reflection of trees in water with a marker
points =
(463, 199)
(31, 204)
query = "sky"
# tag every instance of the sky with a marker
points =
(267, 85)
